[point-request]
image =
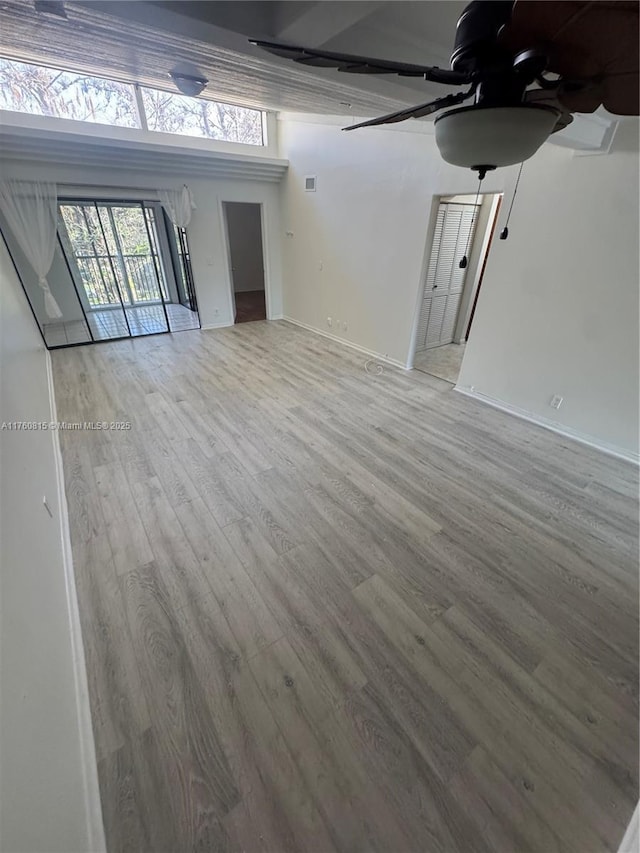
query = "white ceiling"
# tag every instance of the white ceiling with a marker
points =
(145, 40)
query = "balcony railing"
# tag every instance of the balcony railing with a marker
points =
(135, 275)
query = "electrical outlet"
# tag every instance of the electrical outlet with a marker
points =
(556, 401)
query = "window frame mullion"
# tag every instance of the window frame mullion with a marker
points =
(142, 115)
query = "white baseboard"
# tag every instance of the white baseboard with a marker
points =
(216, 326)
(92, 807)
(567, 432)
(349, 344)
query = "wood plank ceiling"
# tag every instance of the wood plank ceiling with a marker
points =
(145, 50)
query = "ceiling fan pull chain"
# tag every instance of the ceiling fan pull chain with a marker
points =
(505, 231)
(464, 260)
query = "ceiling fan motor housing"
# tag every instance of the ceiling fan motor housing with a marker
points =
(499, 129)
(476, 44)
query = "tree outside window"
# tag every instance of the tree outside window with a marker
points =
(172, 113)
(44, 91)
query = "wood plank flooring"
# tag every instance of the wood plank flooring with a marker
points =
(328, 610)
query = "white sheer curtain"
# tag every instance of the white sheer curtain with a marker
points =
(31, 209)
(178, 204)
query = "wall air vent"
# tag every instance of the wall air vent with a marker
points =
(310, 183)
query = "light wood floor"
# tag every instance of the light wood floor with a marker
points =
(444, 362)
(329, 610)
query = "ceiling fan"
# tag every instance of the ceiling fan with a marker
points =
(527, 65)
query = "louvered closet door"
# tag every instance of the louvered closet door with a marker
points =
(445, 280)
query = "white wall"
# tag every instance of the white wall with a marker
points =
(558, 311)
(358, 243)
(48, 788)
(206, 232)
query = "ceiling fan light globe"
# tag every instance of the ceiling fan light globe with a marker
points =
(493, 136)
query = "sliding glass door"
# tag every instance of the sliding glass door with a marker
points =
(121, 269)
(112, 252)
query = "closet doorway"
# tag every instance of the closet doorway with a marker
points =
(246, 260)
(463, 230)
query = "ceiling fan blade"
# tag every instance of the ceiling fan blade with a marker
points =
(581, 99)
(591, 41)
(622, 94)
(415, 112)
(361, 64)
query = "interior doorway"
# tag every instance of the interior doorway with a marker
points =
(463, 229)
(246, 260)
